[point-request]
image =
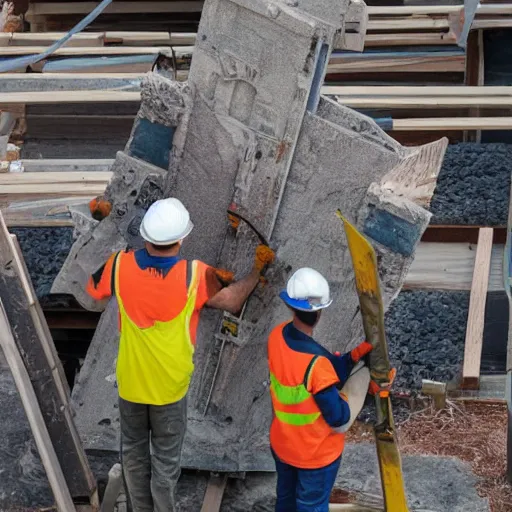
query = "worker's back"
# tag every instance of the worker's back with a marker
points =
(299, 434)
(159, 303)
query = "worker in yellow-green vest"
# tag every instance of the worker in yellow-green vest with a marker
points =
(316, 396)
(160, 296)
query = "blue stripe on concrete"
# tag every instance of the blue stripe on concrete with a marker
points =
(384, 123)
(392, 231)
(152, 142)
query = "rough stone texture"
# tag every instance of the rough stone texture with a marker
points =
(134, 186)
(23, 481)
(426, 332)
(44, 250)
(253, 130)
(473, 186)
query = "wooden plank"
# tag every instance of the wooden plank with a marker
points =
(55, 8)
(455, 91)
(83, 51)
(50, 97)
(33, 339)
(70, 76)
(67, 165)
(401, 24)
(48, 38)
(476, 315)
(408, 39)
(453, 123)
(450, 266)
(44, 178)
(143, 38)
(423, 102)
(35, 418)
(214, 493)
(406, 64)
(412, 10)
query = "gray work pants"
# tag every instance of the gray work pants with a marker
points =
(151, 442)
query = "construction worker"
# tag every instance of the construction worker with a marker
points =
(310, 413)
(160, 296)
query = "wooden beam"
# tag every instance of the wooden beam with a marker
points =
(463, 91)
(412, 10)
(35, 417)
(48, 38)
(44, 178)
(453, 123)
(476, 315)
(56, 8)
(409, 39)
(50, 97)
(83, 51)
(214, 493)
(68, 165)
(405, 64)
(450, 266)
(423, 102)
(34, 342)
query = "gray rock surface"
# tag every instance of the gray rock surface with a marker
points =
(250, 128)
(473, 186)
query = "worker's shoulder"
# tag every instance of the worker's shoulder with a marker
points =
(322, 364)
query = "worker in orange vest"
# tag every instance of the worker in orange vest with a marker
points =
(160, 296)
(310, 413)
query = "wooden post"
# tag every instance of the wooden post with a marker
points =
(34, 342)
(214, 493)
(476, 315)
(475, 75)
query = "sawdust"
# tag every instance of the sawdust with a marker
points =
(473, 432)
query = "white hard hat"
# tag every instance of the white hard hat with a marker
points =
(166, 222)
(307, 290)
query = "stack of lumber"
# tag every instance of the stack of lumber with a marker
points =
(37, 185)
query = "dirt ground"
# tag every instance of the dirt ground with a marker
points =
(474, 432)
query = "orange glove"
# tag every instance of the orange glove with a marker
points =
(234, 221)
(360, 351)
(226, 276)
(264, 256)
(383, 389)
(100, 208)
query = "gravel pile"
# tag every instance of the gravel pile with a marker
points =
(44, 250)
(426, 333)
(473, 186)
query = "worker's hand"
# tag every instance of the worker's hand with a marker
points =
(360, 351)
(234, 221)
(225, 276)
(384, 388)
(100, 208)
(264, 256)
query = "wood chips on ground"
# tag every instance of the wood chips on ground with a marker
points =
(474, 432)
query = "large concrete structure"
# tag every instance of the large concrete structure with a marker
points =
(251, 129)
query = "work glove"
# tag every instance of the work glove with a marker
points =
(354, 393)
(100, 208)
(264, 256)
(225, 276)
(384, 388)
(361, 351)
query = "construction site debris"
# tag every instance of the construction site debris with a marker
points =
(426, 333)
(473, 185)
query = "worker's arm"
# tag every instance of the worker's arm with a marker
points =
(321, 382)
(232, 297)
(343, 364)
(333, 407)
(100, 283)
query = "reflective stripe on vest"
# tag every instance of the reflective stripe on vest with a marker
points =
(155, 364)
(294, 403)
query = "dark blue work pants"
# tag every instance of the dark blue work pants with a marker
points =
(304, 490)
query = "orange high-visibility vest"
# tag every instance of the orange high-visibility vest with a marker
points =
(158, 322)
(299, 435)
